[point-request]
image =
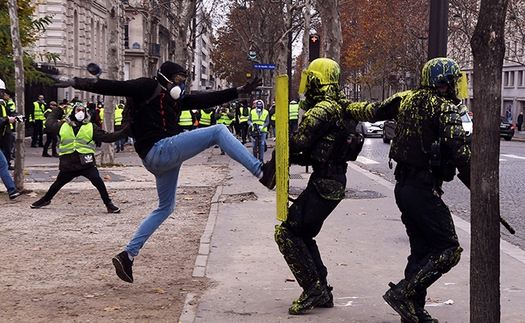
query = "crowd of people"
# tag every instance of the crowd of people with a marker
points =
(170, 126)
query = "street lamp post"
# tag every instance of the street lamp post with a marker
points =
(438, 25)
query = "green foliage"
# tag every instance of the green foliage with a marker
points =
(30, 30)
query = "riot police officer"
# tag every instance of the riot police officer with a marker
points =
(317, 142)
(429, 144)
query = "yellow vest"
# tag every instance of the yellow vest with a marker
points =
(118, 116)
(82, 142)
(38, 111)
(185, 119)
(205, 118)
(259, 120)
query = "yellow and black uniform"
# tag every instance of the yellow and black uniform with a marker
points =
(429, 144)
(317, 142)
(36, 118)
(77, 152)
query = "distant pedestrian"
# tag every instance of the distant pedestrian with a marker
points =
(520, 121)
(36, 118)
(51, 138)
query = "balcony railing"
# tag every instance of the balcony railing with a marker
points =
(154, 50)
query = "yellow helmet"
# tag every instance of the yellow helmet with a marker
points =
(320, 72)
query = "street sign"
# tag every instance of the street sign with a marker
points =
(264, 66)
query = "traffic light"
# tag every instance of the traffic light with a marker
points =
(252, 55)
(314, 47)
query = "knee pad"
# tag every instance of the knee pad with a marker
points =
(284, 238)
(449, 258)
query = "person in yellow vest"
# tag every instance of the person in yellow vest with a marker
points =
(77, 152)
(224, 116)
(207, 118)
(119, 109)
(271, 127)
(8, 144)
(259, 118)
(51, 137)
(244, 113)
(36, 118)
(293, 116)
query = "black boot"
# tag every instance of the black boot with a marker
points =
(396, 298)
(303, 268)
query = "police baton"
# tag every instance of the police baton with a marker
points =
(501, 220)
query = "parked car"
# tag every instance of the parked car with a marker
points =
(390, 125)
(371, 129)
(506, 129)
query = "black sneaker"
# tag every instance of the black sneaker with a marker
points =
(15, 194)
(112, 208)
(123, 266)
(268, 178)
(38, 204)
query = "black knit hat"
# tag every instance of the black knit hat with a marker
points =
(168, 69)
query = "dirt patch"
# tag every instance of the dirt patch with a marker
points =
(56, 262)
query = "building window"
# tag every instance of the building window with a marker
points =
(506, 79)
(126, 36)
(511, 78)
(520, 78)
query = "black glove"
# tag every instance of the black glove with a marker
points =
(62, 81)
(248, 87)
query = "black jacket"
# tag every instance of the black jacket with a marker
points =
(154, 112)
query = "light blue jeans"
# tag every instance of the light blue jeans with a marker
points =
(164, 161)
(4, 174)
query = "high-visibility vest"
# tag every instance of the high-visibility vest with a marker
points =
(82, 142)
(46, 114)
(293, 110)
(11, 107)
(259, 120)
(3, 114)
(206, 118)
(224, 119)
(38, 111)
(118, 115)
(185, 119)
(244, 116)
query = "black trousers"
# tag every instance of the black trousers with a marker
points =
(51, 139)
(306, 217)
(428, 223)
(37, 139)
(90, 173)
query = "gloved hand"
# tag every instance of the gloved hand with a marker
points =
(62, 81)
(248, 87)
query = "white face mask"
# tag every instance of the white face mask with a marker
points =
(80, 116)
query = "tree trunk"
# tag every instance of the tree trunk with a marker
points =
(19, 93)
(332, 37)
(108, 152)
(488, 48)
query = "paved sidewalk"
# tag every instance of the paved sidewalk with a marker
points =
(363, 244)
